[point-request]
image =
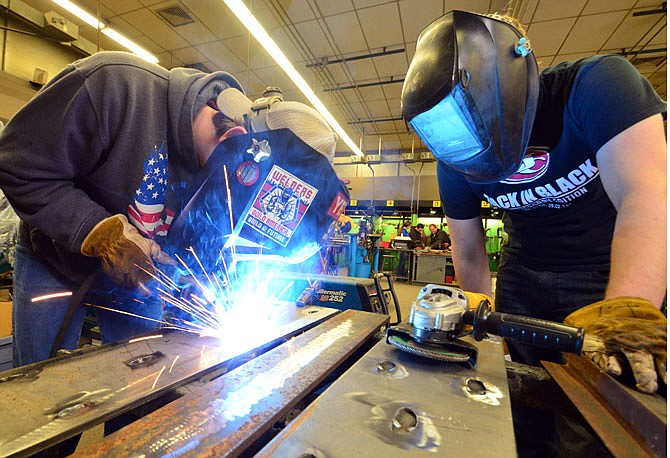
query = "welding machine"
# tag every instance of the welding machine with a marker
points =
(343, 293)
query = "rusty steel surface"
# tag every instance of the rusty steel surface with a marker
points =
(629, 423)
(225, 416)
(394, 404)
(47, 402)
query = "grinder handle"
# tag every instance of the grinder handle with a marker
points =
(541, 333)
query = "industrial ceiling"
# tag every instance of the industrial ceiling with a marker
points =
(355, 53)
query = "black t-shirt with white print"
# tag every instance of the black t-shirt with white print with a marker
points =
(556, 211)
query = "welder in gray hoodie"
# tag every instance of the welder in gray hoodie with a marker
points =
(94, 165)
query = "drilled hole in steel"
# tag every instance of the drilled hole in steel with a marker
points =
(25, 376)
(144, 360)
(404, 421)
(71, 411)
(475, 386)
(386, 366)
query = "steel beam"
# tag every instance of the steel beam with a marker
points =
(225, 416)
(45, 403)
(629, 423)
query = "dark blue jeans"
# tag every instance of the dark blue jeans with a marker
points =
(36, 323)
(544, 294)
(401, 269)
(550, 296)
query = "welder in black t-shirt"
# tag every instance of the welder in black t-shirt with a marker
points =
(576, 158)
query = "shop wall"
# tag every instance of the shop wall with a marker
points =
(20, 55)
(14, 93)
(391, 181)
(396, 188)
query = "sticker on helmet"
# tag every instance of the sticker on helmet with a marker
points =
(260, 150)
(280, 205)
(338, 206)
(247, 173)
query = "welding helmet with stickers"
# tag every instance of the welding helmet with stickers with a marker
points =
(264, 193)
(471, 93)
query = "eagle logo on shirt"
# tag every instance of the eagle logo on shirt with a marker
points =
(534, 164)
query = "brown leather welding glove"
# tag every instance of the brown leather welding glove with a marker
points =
(127, 257)
(475, 298)
(623, 333)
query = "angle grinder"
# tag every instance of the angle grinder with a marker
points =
(440, 317)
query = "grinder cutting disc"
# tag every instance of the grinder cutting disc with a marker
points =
(453, 351)
(434, 325)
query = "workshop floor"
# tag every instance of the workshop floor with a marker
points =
(406, 294)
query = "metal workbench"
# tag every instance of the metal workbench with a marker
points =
(433, 267)
(47, 402)
(393, 404)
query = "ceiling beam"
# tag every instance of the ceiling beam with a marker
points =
(325, 61)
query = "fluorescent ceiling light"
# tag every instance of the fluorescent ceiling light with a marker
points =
(125, 42)
(111, 33)
(249, 21)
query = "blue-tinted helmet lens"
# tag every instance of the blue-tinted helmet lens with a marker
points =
(452, 129)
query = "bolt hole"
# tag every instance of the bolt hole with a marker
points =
(405, 420)
(475, 387)
(386, 366)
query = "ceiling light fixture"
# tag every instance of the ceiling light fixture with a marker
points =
(111, 33)
(256, 29)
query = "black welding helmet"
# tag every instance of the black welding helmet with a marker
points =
(266, 193)
(471, 94)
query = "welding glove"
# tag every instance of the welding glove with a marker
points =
(624, 335)
(127, 257)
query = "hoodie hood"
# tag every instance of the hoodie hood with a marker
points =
(184, 85)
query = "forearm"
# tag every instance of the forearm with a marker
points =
(469, 255)
(636, 185)
(472, 270)
(638, 266)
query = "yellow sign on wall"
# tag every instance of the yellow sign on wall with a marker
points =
(486, 204)
(437, 203)
(353, 203)
(390, 203)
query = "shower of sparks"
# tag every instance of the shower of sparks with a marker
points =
(217, 302)
(50, 296)
(158, 376)
(227, 302)
(139, 339)
(174, 361)
(231, 297)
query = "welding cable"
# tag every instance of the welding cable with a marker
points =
(75, 302)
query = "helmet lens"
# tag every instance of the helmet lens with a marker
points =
(452, 129)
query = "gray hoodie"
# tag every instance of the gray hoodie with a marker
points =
(109, 134)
